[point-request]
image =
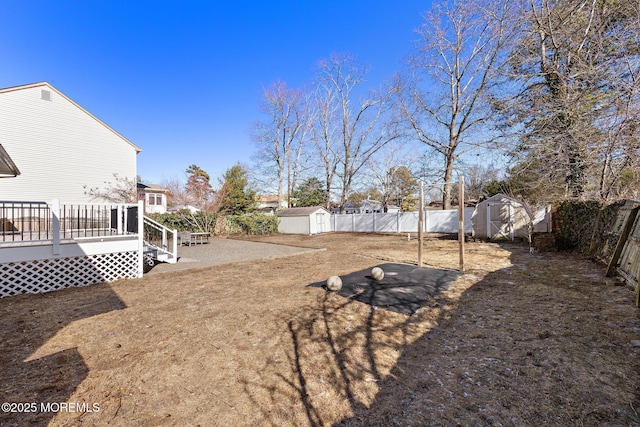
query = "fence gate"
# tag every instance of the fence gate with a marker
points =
(500, 221)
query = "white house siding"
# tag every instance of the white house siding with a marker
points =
(62, 151)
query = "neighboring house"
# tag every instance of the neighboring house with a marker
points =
(366, 206)
(154, 197)
(311, 220)
(269, 204)
(371, 206)
(349, 208)
(62, 150)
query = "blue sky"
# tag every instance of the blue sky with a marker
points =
(183, 79)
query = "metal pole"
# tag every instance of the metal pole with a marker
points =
(420, 225)
(461, 219)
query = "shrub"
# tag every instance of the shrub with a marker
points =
(586, 226)
(186, 221)
(252, 224)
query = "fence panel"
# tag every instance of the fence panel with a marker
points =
(342, 222)
(629, 261)
(363, 223)
(386, 222)
(436, 221)
(409, 222)
(441, 221)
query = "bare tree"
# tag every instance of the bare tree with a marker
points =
(476, 178)
(197, 204)
(577, 107)
(390, 172)
(445, 94)
(348, 131)
(119, 190)
(283, 135)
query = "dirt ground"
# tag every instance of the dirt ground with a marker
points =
(520, 339)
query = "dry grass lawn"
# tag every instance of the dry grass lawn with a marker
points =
(520, 339)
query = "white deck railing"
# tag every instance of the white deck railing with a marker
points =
(49, 246)
(22, 221)
(160, 240)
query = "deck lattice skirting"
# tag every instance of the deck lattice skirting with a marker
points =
(49, 247)
(45, 275)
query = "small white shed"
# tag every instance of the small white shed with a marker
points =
(501, 217)
(308, 220)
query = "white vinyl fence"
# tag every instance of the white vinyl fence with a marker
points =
(435, 221)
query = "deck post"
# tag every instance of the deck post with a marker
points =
(140, 238)
(55, 225)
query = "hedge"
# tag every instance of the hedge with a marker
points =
(250, 224)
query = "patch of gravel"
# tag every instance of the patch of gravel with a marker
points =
(226, 251)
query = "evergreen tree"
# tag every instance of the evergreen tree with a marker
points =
(309, 193)
(237, 197)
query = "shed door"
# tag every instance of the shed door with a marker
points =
(320, 223)
(500, 221)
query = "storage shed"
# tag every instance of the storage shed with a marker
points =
(309, 220)
(501, 217)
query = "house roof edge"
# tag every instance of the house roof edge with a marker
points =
(50, 86)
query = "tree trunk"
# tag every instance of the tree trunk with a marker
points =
(446, 191)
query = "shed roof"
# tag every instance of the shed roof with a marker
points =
(306, 211)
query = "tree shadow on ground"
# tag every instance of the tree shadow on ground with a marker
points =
(53, 378)
(338, 348)
(404, 288)
(525, 345)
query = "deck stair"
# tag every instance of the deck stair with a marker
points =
(160, 243)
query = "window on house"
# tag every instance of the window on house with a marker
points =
(155, 199)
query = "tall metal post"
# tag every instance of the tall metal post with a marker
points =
(420, 225)
(461, 219)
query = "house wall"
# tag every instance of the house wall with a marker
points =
(61, 150)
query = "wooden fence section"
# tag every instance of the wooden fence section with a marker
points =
(610, 234)
(625, 256)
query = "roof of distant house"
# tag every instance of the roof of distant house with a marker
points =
(151, 187)
(270, 198)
